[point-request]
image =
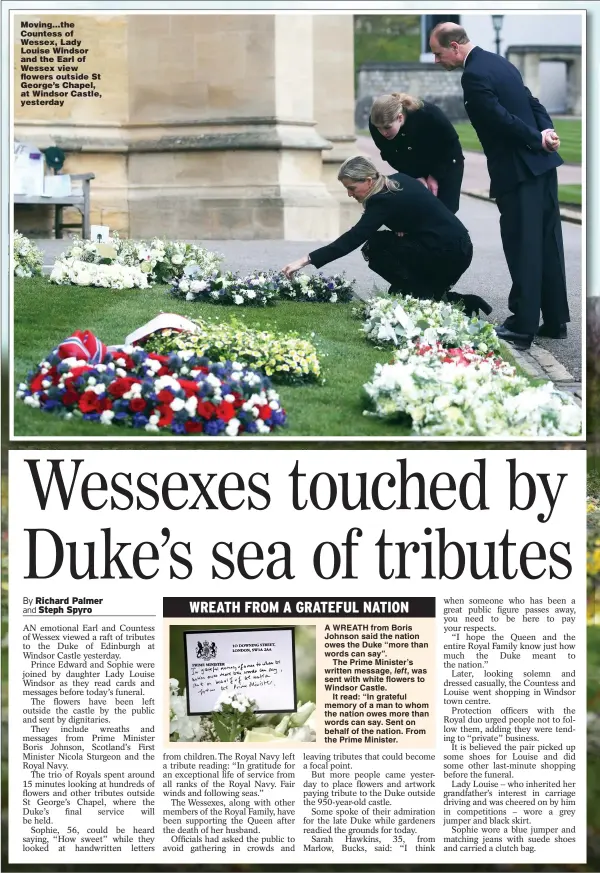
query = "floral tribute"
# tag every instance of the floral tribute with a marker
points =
(256, 289)
(70, 271)
(27, 257)
(461, 392)
(402, 320)
(316, 288)
(285, 358)
(160, 261)
(234, 720)
(181, 393)
(262, 288)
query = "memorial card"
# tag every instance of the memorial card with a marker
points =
(259, 663)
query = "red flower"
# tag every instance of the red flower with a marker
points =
(154, 357)
(225, 410)
(122, 386)
(70, 398)
(265, 412)
(205, 408)
(104, 402)
(194, 427)
(165, 396)
(78, 371)
(128, 362)
(36, 382)
(137, 404)
(166, 416)
(164, 371)
(189, 386)
(88, 402)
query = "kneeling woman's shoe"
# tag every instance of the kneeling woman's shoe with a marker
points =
(472, 302)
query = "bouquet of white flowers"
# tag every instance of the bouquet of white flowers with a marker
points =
(28, 258)
(70, 271)
(404, 319)
(459, 392)
(161, 261)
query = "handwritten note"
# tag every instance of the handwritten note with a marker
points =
(258, 663)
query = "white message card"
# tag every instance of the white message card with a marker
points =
(259, 663)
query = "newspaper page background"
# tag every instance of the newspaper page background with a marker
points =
(135, 543)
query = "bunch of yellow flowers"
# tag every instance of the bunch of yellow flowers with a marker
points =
(284, 358)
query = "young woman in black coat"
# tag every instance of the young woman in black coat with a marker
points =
(417, 139)
(425, 249)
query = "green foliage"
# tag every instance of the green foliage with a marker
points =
(284, 357)
(570, 194)
(386, 38)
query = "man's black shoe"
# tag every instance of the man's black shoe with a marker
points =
(553, 331)
(521, 341)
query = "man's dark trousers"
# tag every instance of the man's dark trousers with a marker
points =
(532, 242)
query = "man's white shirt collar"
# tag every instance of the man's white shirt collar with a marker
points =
(467, 55)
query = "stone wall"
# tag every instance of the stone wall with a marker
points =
(427, 81)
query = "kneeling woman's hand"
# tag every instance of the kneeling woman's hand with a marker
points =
(292, 268)
(432, 184)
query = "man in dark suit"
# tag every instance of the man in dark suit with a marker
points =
(520, 145)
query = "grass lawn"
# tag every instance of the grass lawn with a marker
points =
(45, 314)
(569, 131)
(570, 194)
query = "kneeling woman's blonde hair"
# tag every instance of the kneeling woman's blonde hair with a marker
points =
(359, 169)
(388, 107)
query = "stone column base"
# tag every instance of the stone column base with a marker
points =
(204, 213)
(261, 180)
(349, 211)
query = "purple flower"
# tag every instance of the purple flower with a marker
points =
(277, 418)
(49, 405)
(214, 427)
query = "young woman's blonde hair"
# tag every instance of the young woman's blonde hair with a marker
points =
(388, 107)
(360, 169)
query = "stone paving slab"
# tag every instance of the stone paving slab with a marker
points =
(539, 363)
